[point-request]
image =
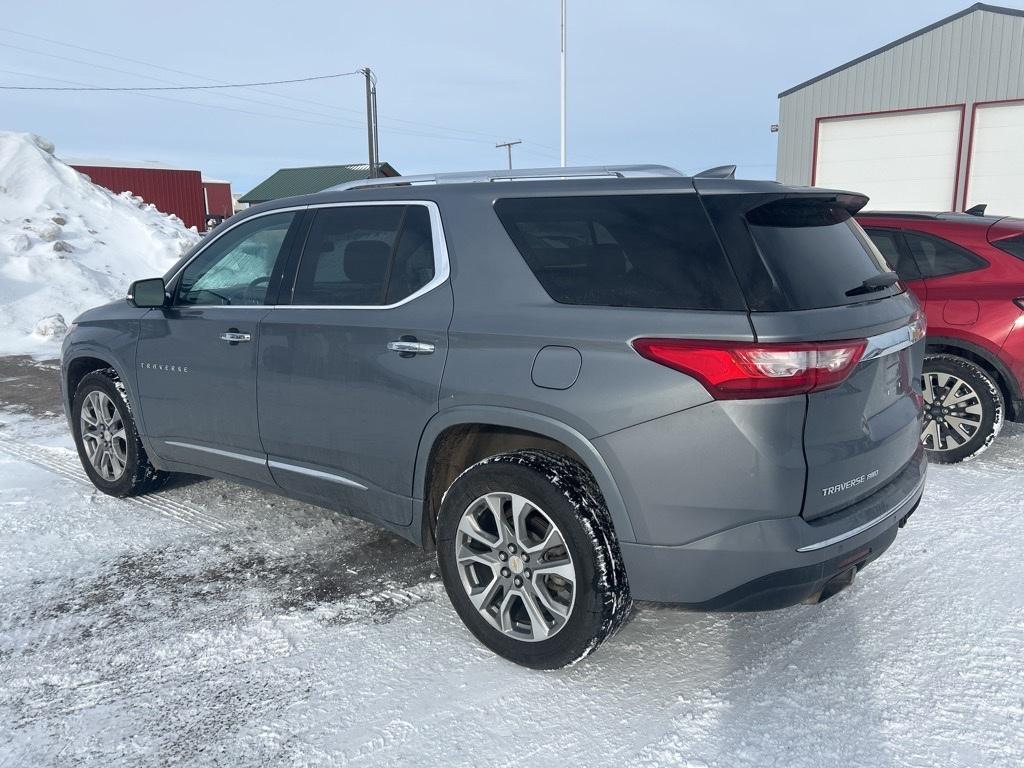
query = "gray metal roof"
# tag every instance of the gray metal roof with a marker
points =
(976, 7)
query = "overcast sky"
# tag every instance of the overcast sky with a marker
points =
(689, 84)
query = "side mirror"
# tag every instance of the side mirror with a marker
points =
(148, 294)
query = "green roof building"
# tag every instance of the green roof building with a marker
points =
(304, 181)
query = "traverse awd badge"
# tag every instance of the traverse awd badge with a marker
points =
(851, 483)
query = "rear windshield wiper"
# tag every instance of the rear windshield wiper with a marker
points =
(875, 283)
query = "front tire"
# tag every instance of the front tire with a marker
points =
(529, 558)
(108, 443)
(963, 409)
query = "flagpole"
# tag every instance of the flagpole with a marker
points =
(563, 88)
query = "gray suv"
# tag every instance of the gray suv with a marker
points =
(581, 386)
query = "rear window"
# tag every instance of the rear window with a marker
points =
(1012, 245)
(936, 257)
(656, 251)
(815, 254)
(365, 255)
(887, 243)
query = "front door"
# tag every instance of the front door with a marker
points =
(197, 358)
(350, 370)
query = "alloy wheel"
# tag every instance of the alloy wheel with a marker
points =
(104, 436)
(515, 566)
(952, 411)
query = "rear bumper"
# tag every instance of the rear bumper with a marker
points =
(775, 563)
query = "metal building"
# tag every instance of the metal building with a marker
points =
(217, 197)
(287, 182)
(178, 191)
(932, 121)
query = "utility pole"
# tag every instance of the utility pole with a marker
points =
(371, 122)
(508, 145)
(563, 86)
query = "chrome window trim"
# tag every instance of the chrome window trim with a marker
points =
(341, 480)
(861, 528)
(442, 265)
(221, 234)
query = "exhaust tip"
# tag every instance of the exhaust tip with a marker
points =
(834, 586)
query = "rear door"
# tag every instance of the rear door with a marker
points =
(351, 358)
(813, 275)
(941, 262)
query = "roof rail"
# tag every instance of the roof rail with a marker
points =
(718, 172)
(525, 174)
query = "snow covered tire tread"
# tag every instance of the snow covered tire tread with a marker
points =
(569, 491)
(140, 475)
(993, 406)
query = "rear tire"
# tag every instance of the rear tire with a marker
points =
(543, 592)
(107, 440)
(963, 410)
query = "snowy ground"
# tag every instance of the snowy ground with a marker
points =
(216, 625)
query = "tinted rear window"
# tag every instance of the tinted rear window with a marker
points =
(888, 244)
(365, 255)
(937, 257)
(815, 254)
(1012, 245)
(656, 251)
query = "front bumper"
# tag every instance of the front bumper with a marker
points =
(775, 563)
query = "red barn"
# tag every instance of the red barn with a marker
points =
(217, 196)
(172, 190)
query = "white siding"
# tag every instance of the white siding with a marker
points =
(977, 57)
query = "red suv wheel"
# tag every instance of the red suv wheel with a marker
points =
(968, 273)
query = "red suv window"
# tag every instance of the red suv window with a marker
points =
(936, 257)
(1012, 245)
(887, 241)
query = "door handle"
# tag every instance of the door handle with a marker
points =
(410, 347)
(234, 337)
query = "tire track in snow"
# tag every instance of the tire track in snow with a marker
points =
(64, 463)
(39, 701)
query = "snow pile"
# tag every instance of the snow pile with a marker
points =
(67, 244)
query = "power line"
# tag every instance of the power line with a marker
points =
(407, 128)
(130, 60)
(186, 101)
(324, 123)
(484, 137)
(174, 87)
(237, 97)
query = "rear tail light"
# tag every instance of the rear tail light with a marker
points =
(744, 370)
(918, 327)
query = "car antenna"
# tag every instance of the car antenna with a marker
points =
(977, 210)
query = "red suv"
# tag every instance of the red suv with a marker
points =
(968, 272)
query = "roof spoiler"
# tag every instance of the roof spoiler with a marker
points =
(718, 172)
